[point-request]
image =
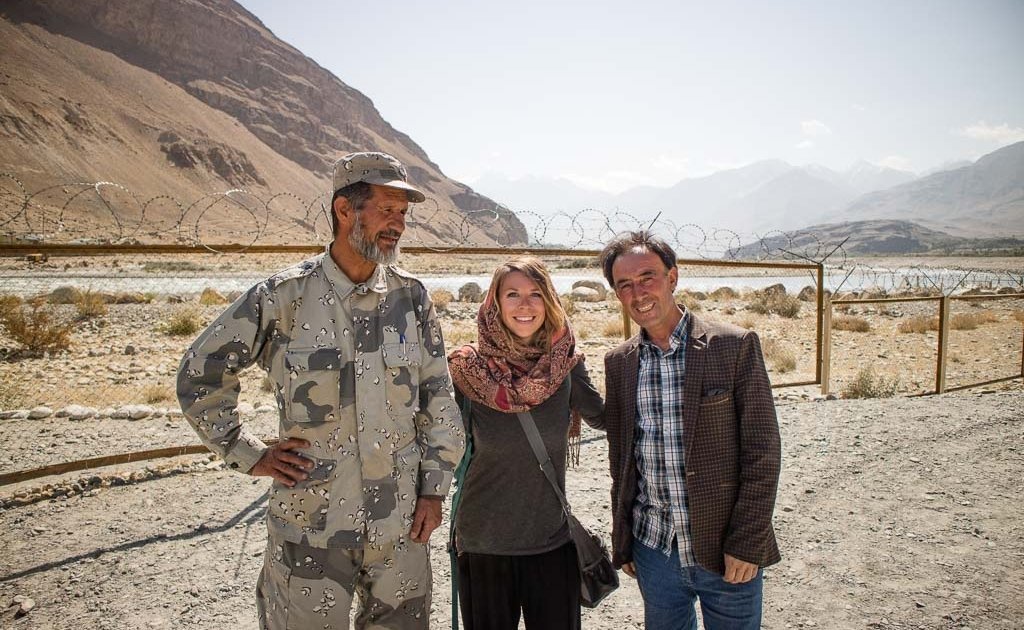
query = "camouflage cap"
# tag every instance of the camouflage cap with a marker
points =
(373, 168)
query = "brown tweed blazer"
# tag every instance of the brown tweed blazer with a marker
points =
(733, 449)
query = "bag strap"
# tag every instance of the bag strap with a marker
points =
(460, 481)
(541, 453)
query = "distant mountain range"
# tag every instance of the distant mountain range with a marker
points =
(873, 237)
(980, 199)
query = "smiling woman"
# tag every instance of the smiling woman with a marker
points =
(511, 533)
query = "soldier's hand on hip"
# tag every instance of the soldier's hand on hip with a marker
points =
(280, 462)
(426, 518)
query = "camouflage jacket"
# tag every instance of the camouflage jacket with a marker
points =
(360, 372)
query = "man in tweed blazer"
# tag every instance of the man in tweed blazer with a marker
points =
(694, 450)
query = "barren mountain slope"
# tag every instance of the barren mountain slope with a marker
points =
(188, 98)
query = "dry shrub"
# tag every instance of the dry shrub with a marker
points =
(133, 297)
(9, 302)
(723, 293)
(779, 356)
(1019, 316)
(36, 329)
(210, 297)
(156, 393)
(569, 304)
(970, 321)
(850, 323)
(747, 321)
(687, 299)
(11, 395)
(612, 328)
(869, 385)
(182, 323)
(64, 295)
(91, 304)
(441, 298)
(781, 304)
(919, 324)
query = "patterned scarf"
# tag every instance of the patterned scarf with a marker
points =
(506, 376)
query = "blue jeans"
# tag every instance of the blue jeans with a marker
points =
(670, 591)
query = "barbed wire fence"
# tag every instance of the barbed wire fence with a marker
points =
(105, 241)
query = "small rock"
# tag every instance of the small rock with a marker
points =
(25, 605)
(586, 294)
(470, 292)
(40, 412)
(130, 350)
(14, 414)
(137, 412)
(76, 412)
(244, 409)
(592, 284)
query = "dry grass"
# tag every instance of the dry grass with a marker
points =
(441, 298)
(90, 304)
(156, 393)
(970, 321)
(869, 385)
(850, 323)
(919, 324)
(36, 328)
(1019, 316)
(613, 328)
(687, 299)
(779, 356)
(780, 304)
(130, 297)
(184, 322)
(64, 295)
(723, 293)
(458, 333)
(747, 321)
(11, 395)
(569, 304)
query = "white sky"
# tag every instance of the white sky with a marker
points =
(611, 97)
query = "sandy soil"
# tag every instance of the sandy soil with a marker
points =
(895, 514)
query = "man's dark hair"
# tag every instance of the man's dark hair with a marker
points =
(357, 193)
(641, 241)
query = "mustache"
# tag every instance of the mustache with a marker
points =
(390, 234)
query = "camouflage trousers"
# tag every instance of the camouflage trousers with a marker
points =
(304, 587)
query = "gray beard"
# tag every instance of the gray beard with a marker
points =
(369, 249)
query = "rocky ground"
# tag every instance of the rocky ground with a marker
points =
(894, 513)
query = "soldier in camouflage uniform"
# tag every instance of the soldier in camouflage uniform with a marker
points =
(369, 432)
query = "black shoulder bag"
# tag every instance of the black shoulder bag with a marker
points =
(597, 574)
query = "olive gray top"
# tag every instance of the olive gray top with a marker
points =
(508, 507)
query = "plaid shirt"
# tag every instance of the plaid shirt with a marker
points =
(660, 510)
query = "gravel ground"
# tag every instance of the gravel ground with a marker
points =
(892, 513)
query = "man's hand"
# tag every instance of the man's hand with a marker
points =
(426, 518)
(629, 570)
(737, 571)
(282, 464)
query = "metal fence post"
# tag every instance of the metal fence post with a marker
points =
(943, 346)
(825, 344)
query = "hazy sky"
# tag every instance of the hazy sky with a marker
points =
(611, 97)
